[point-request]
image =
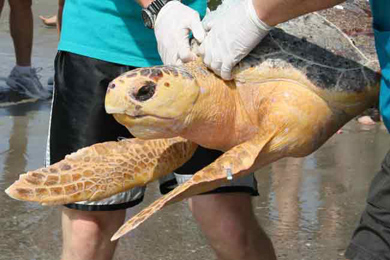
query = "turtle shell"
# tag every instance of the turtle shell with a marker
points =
(321, 47)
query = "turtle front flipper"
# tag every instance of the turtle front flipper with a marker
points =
(101, 170)
(234, 163)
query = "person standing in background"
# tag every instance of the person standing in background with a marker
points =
(23, 78)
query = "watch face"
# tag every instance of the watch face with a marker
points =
(147, 19)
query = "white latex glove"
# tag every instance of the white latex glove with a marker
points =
(231, 37)
(172, 27)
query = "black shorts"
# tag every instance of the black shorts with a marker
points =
(78, 119)
(371, 239)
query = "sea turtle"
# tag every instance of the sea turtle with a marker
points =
(291, 94)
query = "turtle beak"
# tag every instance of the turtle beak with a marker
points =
(124, 120)
(114, 102)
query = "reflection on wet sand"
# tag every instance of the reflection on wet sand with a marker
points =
(287, 179)
(337, 186)
(15, 160)
(24, 129)
(14, 164)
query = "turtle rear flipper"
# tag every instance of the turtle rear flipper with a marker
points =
(236, 162)
(101, 170)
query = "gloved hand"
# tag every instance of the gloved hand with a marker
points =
(231, 37)
(172, 27)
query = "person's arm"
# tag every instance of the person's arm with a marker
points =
(61, 4)
(273, 12)
(231, 37)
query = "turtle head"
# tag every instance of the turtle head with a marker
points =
(153, 102)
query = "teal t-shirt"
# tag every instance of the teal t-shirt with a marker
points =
(381, 22)
(112, 30)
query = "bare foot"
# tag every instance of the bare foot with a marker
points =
(366, 120)
(49, 21)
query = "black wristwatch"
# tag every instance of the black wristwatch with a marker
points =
(149, 14)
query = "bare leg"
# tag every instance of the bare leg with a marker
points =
(21, 26)
(228, 222)
(87, 234)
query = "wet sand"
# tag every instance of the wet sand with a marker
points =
(309, 206)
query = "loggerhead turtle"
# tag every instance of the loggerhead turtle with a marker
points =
(291, 94)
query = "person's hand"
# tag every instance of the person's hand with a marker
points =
(231, 37)
(49, 21)
(173, 25)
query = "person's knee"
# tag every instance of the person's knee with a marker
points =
(88, 226)
(225, 218)
(92, 223)
(82, 234)
(82, 226)
(86, 234)
(235, 236)
(231, 227)
(20, 5)
(231, 207)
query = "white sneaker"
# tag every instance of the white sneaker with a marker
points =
(27, 84)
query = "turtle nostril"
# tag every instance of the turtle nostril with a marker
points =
(146, 91)
(111, 85)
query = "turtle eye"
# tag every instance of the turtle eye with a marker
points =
(146, 91)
